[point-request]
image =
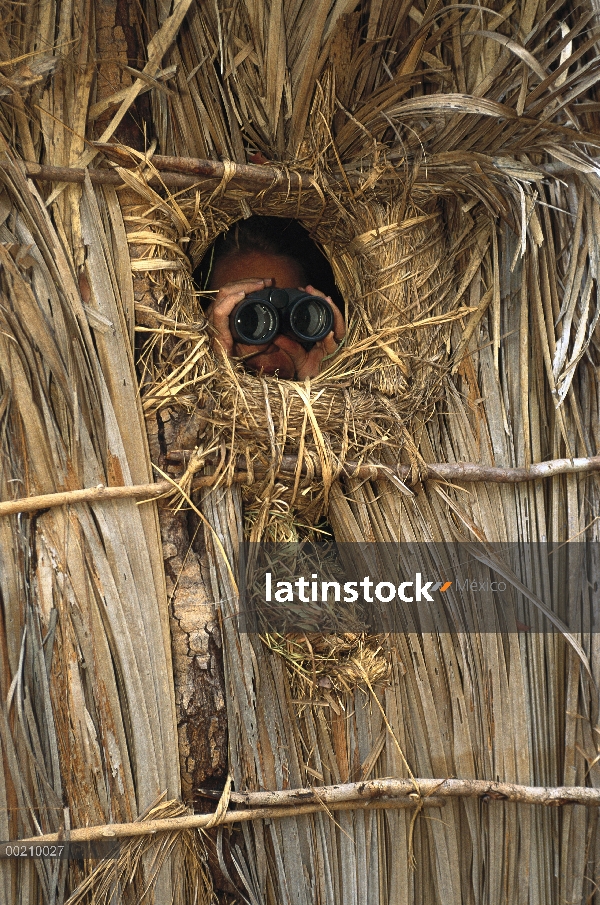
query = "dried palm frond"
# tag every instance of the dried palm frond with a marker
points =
(183, 850)
(89, 713)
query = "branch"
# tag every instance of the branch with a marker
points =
(256, 174)
(102, 177)
(444, 788)
(184, 172)
(176, 172)
(376, 793)
(470, 472)
(199, 821)
(100, 494)
(459, 471)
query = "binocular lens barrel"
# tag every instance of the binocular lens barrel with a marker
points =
(311, 319)
(256, 323)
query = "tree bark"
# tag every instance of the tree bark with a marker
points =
(195, 634)
(119, 45)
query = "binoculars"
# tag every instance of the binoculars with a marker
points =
(263, 315)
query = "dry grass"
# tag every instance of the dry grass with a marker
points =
(146, 856)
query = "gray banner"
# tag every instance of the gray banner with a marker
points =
(437, 587)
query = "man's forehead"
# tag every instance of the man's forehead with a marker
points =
(244, 265)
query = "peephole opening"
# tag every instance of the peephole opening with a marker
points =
(271, 299)
(279, 237)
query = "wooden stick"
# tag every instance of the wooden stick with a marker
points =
(103, 177)
(259, 174)
(459, 471)
(186, 172)
(198, 821)
(376, 793)
(100, 494)
(470, 472)
(445, 788)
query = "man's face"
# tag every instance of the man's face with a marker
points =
(283, 354)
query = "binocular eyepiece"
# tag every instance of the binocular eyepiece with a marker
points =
(263, 315)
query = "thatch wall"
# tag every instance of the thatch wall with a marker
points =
(441, 157)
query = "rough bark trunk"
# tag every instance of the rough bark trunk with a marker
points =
(119, 45)
(196, 642)
(195, 634)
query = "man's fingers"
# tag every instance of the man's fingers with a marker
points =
(312, 291)
(224, 304)
(218, 316)
(329, 344)
(231, 294)
(249, 285)
(228, 296)
(339, 325)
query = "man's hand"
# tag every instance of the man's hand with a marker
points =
(228, 296)
(284, 356)
(308, 364)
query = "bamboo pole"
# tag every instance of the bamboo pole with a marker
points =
(468, 472)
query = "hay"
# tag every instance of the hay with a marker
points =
(399, 319)
(185, 851)
(477, 167)
(323, 663)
